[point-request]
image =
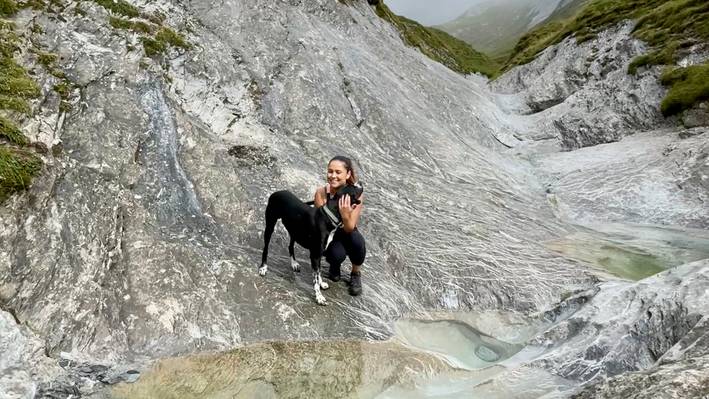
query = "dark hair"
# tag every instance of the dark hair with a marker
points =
(348, 165)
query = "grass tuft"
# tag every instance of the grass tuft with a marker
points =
(152, 47)
(688, 86)
(169, 36)
(9, 131)
(119, 7)
(135, 26)
(8, 8)
(17, 168)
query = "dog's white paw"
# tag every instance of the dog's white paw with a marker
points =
(324, 285)
(294, 265)
(262, 270)
(320, 299)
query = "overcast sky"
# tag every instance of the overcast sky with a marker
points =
(431, 12)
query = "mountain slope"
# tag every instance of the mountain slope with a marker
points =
(439, 45)
(672, 28)
(494, 27)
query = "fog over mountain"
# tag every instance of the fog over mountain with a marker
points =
(439, 12)
(431, 13)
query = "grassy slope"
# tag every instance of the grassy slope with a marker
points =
(495, 30)
(438, 45)
(17, 165)
(666, 25)
(498, 28)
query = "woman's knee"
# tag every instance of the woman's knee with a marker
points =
(358, 248)
(335, 253)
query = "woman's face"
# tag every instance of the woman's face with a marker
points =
(337, 174)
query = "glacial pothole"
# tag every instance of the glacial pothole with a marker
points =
(458, 343)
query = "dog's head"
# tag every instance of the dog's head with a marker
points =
(354, 191)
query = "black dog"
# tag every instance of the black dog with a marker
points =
(312, 228)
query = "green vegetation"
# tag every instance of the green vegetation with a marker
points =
(17, 168)
(135, 26)
(663, 56)
(156, 38)
(7, 8)
(659, 22)
(119, 7)
(688, 86)
(153, 47)
(164, 38)
(16, 87)
(9, 131)
(46, 59)
(169, 36)
(438, 45)
(668, 26)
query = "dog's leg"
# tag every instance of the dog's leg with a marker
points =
(270, 225)
(291, 251)
(317, 281)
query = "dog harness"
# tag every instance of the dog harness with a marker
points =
(334, 220)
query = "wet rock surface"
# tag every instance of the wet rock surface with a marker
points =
(141, 238)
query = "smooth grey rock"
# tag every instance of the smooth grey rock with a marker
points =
(628, 327)
(582, 95)
(649, 178)
(696, 116)
(141, 238)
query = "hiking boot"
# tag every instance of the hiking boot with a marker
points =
(355, 284)
(334, 273)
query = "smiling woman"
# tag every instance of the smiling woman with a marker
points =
(347, 241)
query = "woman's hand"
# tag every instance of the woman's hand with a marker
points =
(350, 216)
(345, 206)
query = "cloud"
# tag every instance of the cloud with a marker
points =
(429, 12)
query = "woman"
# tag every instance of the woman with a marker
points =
(347, 241)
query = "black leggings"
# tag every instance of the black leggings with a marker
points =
(346, 244)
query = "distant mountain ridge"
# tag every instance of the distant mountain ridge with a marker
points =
(495, 26)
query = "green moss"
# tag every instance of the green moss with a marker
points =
(64, 106)
(688, 86)
(8, 39)
(17, 168)
(135, 26)
(663, 56)
(7, 8)
(152, 47)
(15, 85)
(169, 36)
(63, 89)
(14, 104)
(119, 7)
(438, 45)
(47, 59)
(36, 4)
(164, 38)
(9, 131)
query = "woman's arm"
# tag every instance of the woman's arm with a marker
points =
(350, 217)
(320, 197)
